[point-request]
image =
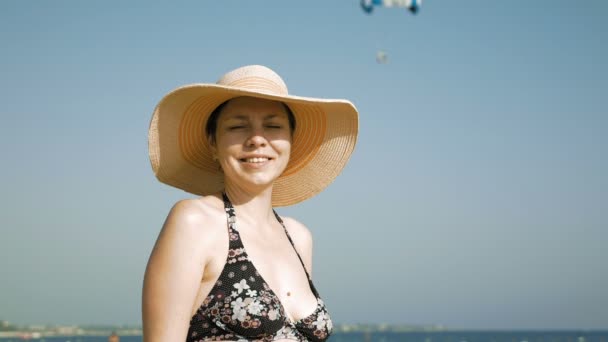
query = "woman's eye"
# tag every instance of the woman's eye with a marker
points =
(274, 126)
(235, 127)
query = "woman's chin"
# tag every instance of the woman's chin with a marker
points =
(254, 182)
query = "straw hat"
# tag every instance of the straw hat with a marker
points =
(324, 138)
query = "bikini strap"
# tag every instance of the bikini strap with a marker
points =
(234, 238)
(228, 207)
(312, 286)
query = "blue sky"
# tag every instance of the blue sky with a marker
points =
(476, 197)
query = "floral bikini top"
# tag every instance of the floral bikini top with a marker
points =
(241, 305)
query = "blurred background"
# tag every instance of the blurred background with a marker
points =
(476, 198)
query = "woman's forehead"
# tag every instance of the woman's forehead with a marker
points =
(245, 107)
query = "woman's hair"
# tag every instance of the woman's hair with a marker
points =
(211, 127)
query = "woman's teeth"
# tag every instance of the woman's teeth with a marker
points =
(255, 160)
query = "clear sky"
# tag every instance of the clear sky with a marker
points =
(477, 196)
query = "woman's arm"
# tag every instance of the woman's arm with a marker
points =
(174, 274)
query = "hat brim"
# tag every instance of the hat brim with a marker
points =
(324, 139)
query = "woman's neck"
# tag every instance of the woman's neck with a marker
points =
(252, 207)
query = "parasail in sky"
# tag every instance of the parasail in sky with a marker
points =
(412, 5)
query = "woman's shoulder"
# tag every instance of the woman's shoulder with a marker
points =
(299, 233)
(302, 240)
(209, 206)
(202, 217)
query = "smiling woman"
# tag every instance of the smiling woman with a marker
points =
(244, 145)
(263, 126)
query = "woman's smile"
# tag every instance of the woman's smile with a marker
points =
(256, 162)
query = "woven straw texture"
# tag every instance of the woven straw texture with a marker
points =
(324, 139)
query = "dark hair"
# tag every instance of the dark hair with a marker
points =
(211, 127)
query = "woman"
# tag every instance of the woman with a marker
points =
(226, 266)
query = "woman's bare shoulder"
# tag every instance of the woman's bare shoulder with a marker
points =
(302, 239)
(297, 230)
(187, 242)
(200, 219)
(195, 211)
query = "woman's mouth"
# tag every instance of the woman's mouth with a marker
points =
(255, 160)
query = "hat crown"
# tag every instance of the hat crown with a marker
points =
(255, 78)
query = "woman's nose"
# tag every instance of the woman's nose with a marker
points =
(257, 138)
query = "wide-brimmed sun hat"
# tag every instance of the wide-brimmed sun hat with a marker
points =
(323, 141)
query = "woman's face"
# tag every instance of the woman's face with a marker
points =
(252, 141)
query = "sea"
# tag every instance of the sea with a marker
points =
(442, 336)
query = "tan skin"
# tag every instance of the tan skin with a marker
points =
(252, 145)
